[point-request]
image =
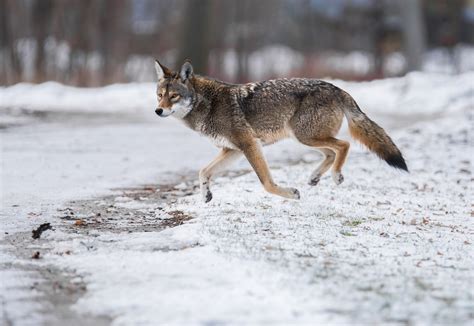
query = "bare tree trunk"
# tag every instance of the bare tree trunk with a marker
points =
(377, 16)
(241, 43)
(195, 35)
(41, 21)
(413, 32)
(10, 66)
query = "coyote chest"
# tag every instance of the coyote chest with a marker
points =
(217, 140)
(221, 141)
(268, 139)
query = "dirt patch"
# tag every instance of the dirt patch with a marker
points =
(178, 218)
(140, 209)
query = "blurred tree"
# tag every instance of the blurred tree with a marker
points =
(42, 11)
(194, 40)
(414, 33)
(96, 42)
(10, 70)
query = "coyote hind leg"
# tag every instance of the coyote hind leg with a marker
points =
(329, 157)
(337, 146)
(341, 147)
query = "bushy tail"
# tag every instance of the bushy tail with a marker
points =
(374, 137)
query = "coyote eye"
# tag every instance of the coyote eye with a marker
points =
(174, 96)
(160, 96)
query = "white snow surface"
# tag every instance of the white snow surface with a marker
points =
(383, 247)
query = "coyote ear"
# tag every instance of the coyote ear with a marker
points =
(186, 71)
(161, 71)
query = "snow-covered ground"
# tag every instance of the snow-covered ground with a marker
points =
(383, 247)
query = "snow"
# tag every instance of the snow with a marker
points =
(186, 281)
(437, 60)
(383, 247)
(415, 94)
(405, 95)
(356, 62)
(274, 60)
(52, 96)
(19, 305)
(453, 60)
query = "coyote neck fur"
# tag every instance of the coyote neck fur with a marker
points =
(212, 99)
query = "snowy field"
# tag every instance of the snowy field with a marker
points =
(133, 243)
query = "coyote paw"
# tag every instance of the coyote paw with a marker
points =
(292, 193)
(207, 197)
(314, 180)
(338, 178)
(296, 193)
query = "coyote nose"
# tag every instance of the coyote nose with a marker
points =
(159, 111)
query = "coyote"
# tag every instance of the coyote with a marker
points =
(240, 118)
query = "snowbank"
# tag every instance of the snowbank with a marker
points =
(416, 93)
(52, 96)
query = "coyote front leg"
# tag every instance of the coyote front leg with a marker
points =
(223, 160)
(255, 157)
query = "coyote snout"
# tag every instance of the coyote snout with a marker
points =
(241, 118)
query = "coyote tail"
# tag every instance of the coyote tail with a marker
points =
(374, 137)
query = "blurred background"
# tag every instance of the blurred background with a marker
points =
(98, 42)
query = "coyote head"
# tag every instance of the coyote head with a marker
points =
(175, 92)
